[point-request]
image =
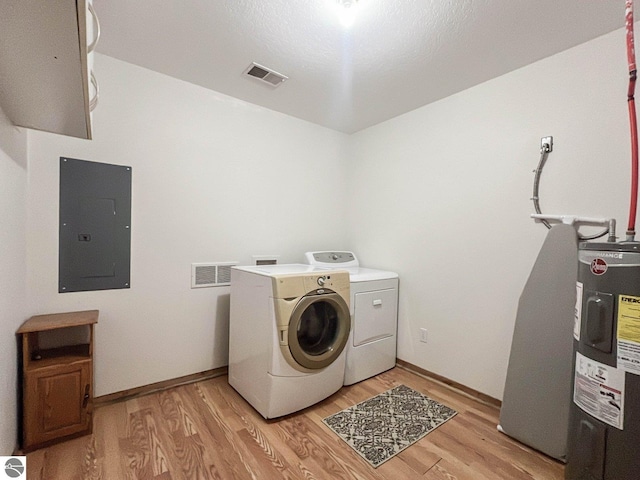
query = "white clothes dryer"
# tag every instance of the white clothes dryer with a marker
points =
(288, 329)
(372, 342)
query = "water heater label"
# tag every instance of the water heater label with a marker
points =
(628, 334)
(599, 390)
(577, 311)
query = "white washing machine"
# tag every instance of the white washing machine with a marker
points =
(288, 329)
(374, 315)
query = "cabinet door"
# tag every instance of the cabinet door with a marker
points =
(57, 402)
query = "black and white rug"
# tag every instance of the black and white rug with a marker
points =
(386, 424)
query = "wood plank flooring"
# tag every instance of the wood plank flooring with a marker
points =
(206, 430)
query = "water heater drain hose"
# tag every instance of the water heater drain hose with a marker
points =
(544, 152)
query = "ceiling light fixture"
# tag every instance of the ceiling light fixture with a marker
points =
(347, 10)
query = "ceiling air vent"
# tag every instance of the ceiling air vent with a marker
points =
(265, 74)
(211, 274)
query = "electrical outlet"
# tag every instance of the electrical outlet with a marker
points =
(423, 335)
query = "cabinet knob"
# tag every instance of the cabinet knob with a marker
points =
(86, 397)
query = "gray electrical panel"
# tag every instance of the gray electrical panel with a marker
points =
(95, 226)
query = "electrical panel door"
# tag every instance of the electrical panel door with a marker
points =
(95, 226)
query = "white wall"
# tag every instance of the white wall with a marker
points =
(13, 300)
(442, 195)
(214, 179)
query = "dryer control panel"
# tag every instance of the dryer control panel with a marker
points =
(332, 259)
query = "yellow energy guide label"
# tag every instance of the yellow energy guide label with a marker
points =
(628, 334)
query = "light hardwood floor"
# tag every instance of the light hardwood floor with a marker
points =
(206, 430)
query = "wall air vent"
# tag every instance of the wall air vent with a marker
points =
(211, 274)
(265, 74)
(266, 259)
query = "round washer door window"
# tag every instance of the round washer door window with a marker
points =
(319, 330)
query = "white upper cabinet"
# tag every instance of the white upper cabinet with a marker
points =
(45, 77)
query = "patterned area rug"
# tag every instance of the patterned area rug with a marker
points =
(386, 424)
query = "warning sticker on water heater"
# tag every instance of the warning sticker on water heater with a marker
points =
(577, 311)
(629, 333)
(599, 390)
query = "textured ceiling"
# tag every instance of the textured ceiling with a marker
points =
(397, 56)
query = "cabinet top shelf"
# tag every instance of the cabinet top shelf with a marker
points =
(40, 323)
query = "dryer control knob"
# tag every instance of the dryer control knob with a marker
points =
(321, 280)
(334, 256)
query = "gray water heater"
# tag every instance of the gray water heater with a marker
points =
(604, 419)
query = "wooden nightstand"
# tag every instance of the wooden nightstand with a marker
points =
(57, 377)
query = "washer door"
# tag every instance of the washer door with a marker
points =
(318, 329)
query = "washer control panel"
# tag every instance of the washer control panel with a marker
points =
(291, 286)
(334, 280)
